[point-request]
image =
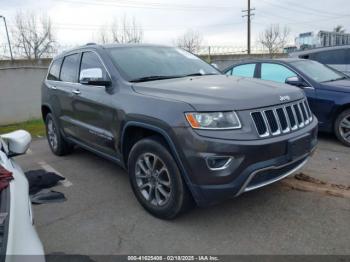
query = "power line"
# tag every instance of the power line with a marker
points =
(316, 10)
(147, 28)
(295, 8)
(134, 4)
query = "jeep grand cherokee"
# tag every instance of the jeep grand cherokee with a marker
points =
(184, 131)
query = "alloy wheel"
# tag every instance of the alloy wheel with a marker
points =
(344, 128)
(51, 133)
(153, 179)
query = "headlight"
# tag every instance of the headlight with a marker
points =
(213, 120)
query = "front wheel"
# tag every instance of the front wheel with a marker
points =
(156, 179)
(342, 127)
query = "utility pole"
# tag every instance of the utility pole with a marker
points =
(248, 15)
(8, 38)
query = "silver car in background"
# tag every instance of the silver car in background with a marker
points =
(337, 57)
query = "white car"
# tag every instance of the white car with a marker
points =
(20, 241)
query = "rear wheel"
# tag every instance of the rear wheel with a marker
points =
(55, 139)
(342, 127)
(156, 179)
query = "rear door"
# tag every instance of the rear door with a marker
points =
(61, 79)
(68, 81)
(244, 70)
(93, 109)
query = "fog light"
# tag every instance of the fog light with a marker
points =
(218, 162)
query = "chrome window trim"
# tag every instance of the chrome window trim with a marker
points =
(81, 52)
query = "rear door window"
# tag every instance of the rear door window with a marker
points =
(246, 70)
(70, 67)
(275, 72)
(54, 73)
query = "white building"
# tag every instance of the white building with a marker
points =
(321, 39)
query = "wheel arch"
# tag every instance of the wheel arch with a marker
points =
(45, 109)
(134, 131)
(152, 130)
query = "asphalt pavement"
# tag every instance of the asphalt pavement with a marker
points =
(102, 216)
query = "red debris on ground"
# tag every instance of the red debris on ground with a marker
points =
(5, 178)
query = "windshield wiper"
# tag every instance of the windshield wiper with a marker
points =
(199, 74)
(151, 78)
(335, 79)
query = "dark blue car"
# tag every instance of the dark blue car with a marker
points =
(327, 90)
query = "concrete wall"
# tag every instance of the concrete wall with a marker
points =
(25, 63)
(20, 84)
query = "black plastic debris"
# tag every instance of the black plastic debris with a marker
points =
(40, 179)
(39, 183)
(46, 196)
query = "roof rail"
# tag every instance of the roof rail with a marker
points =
(91, 44)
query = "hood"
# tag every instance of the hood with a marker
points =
(338, 86)
(220, 92)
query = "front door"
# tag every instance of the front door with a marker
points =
(94, 111)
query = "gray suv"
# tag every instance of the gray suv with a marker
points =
(185, 132)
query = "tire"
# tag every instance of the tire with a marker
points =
(342, 127)
(163, 194)
(58, 145)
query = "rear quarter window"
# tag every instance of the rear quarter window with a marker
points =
(54, 71)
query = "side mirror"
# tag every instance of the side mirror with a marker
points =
(93, 76)
(17, 142)
(295, 81)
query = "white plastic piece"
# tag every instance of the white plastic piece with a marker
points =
(18, 141)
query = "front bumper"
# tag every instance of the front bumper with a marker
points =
(256, 163)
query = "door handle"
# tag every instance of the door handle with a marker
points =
(53, 87)
(76, 92)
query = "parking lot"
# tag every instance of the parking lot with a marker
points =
(102, 216)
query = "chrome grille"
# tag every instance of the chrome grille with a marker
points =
(282, 119)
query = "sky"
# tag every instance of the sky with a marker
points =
(76, 22)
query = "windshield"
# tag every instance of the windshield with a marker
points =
(317, 71)
(150, 62)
